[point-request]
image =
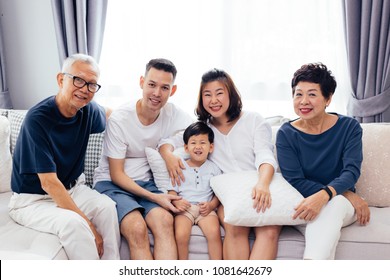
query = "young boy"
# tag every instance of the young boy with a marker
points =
(198, 143)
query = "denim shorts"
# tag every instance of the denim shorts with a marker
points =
(127, 202)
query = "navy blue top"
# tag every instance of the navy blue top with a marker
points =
(312, 162)
(49, 142)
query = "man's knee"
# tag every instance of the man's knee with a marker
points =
(160, 216)
(134, 228)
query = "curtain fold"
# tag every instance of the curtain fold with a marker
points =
(5, 98)
(79, 26)
(367, 29)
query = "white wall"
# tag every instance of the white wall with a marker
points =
(31, 56)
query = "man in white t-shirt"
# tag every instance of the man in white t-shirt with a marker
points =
(124, 173)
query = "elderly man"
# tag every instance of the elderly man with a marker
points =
(50, 194)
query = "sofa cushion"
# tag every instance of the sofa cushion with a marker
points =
(19, 242)
(234, 191)
(367, 242)
(158, 167)
(5, 155)
(374, 182)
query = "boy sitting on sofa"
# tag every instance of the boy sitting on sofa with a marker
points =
(198, 143)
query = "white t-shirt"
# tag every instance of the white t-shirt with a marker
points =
(247, 145)
(126, 138)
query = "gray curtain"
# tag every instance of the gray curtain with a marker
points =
(5, 98)
(367, 26)
(79, 26)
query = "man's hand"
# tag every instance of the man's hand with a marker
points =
(165, 201)
(98, 240)
(181, 205)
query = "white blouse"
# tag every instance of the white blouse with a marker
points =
(247, 145)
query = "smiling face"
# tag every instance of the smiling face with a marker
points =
(157, 86)
(70, 98)
(309, 103)
(215, 98)
(198, 148)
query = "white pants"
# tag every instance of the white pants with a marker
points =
(322, 235)
(41, 213)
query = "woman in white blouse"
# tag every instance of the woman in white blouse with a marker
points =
(242, 142)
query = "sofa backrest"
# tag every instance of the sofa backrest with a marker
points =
(373, 184)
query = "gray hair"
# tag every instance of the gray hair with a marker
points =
(79, 57)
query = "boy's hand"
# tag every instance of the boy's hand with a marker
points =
(205, 208)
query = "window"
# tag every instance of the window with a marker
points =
(260, 43)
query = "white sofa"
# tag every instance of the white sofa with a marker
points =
(357, 242)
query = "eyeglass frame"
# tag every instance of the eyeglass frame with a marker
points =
(85, 83)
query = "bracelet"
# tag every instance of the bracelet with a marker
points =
(329, 192)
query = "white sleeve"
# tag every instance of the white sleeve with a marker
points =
(263, 146)
(180, 120)
(114, 145)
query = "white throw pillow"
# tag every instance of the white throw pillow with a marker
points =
(234, 191)
(158, 167)
(5, 155)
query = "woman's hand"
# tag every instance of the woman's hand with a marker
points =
(361, 207)
(310, 207)
(261, 194)
(174, 167)
(261, 198)
(173, 163)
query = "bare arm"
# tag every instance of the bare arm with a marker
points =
(120, 178)
(261, 194)
(108, 112)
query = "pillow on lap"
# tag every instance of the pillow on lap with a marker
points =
(234, 192)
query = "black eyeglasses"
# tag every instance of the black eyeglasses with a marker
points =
(80, 83)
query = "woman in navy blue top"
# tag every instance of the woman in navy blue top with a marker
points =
(320, 154)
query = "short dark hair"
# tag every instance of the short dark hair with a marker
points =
(235, 105)
(198, 128)
(162, 64)
(316, 73)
